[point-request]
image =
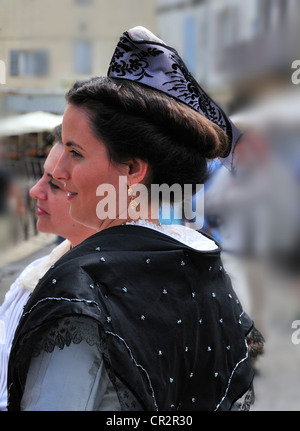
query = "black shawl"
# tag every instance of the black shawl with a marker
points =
(172, 327)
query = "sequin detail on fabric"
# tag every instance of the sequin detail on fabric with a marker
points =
(86, 301)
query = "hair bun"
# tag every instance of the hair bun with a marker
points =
(216, 141)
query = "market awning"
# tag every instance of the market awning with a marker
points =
(33, 122)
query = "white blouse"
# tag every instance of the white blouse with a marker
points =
(10, 313)
(12, 308)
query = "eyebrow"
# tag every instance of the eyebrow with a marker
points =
(72, 144)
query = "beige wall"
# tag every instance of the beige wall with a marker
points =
(54, 25)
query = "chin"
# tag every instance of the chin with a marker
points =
(44, 228)
(40, 227)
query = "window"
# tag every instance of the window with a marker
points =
(264, 13)
(228, 31)
(82, 57)
(190, 39)
(29, 63)
(2, 72)
(283, 9)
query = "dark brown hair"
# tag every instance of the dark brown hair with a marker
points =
(135, 121)
(56, 132)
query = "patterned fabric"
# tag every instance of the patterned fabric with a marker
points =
(12, 308)
(160, 66)
(171, 327)
(67, 371)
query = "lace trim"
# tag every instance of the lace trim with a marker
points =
(65, 331)
(180, 233)
(256, 342)
(245, 402)
(75, 329)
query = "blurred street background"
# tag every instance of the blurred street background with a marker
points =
(243, 54)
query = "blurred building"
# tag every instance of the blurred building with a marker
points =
(48, 44)
(45, 46)
(237, 49)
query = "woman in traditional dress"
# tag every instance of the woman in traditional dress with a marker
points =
(139, 316)
(52, 217)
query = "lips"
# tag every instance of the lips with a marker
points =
(41, 212)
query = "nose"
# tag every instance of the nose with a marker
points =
(37, 191)
(61, 170)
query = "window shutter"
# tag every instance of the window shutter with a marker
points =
(14, 62)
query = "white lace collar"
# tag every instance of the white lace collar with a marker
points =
(181, 233)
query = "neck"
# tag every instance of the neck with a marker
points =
(84, 234)
(143, 210)
(105, 224)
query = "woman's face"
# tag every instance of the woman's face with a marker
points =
(52, 206)
(83, 166)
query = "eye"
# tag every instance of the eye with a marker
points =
(54, 186)
(75, 154)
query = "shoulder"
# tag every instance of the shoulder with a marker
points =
(17, 283)
(193, 238)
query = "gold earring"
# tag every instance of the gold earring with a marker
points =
(132, 203)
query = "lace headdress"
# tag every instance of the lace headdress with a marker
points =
(141, 57)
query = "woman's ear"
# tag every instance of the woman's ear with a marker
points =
(138, 170)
